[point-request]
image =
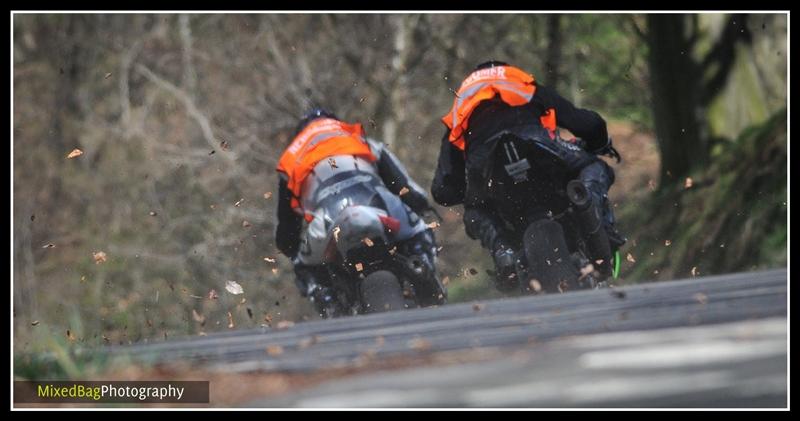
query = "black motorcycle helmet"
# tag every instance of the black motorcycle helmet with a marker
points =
(489, 64)
(311, 115)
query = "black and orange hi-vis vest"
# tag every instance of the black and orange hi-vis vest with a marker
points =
(320, 139)
(514, 86)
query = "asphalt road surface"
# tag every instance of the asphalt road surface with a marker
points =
(718, 341)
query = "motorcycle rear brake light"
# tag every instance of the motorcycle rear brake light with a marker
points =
(391, 224)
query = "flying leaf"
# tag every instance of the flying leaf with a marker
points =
(630, 258)
(233, 287)
(267, 195)
(230, 321)
(535, 285)
(199, 318)
(359, 267)
(695, 272)
(212, 294)
(269, 259)
(239, 202)
(667, 243)
(368, 242)
(245, 224)
(75, 153)
(274, 350)
(403, 191)
(688, 183)
(99, 257)
(284, 324)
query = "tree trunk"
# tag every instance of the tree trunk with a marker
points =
(676, 87)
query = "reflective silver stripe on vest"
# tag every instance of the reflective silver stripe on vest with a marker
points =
(471, 91)
(320, 138)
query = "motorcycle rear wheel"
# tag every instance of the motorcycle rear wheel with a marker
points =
(549, 260)
(381, 291)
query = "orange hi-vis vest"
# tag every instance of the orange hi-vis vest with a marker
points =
(514, 86)
(321, 139)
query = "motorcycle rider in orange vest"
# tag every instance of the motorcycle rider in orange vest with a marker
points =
(318, 137)
(497, 97)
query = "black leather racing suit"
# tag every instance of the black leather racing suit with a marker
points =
(497, 206)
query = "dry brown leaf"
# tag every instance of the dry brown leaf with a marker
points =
(70, 336)
(667, 243)
(284, 324)
(307, 342)
(535, 285)
(233, 287)
(434, 225)
(199, 318)
(274, 350)
(48, 246)
(332, 163)
(267, 195)
(563, 286)
(269, 259)
(224, 145)
(472, 271)
(700, 298)
(419, 344)
(630, 258)
(336, 231)
(368, 242)
(274, 271)
(230, 321)
(245, 224)
(586, 270)
(403, 191)
(695, 272)
(153, 213)
(359, 267)
(75, 153)
(108, 75)
(688, 183)
(445, 280)
(268, 320)
(99, 257)
(239, 202)
(212, 294)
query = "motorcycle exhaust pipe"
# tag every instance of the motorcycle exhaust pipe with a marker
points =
(589, 220)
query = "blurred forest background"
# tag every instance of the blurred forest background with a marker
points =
(181, 119)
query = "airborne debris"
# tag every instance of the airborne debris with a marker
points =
(535, 285)
(70, 336)
(403, 191)
(199, 318)
(224, 145)
(284, 324)
(267, 195)
(586, 271)
(667, 243)
(700, 298)
(153, 213)
(249, 313)
(239, 202)
(233, 287)
(332, 163)
(695, 272)
(275, 271)
(75, 153)
(419, 344)
(34, 323)
(368, 242)
(274, 350)
(563, 286)
(618, 294)
(48, 246)
(212, 294)
(434, 225)
(336, 231)
(230, 321)
(630, 258)
(652, 185)
(245, 224)
(359, 267)
(99, 257)
(108, 75)
(445, 280)
(307, 342)
(269, 259)
(472, 271)
(478, 307)
(688, 183)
